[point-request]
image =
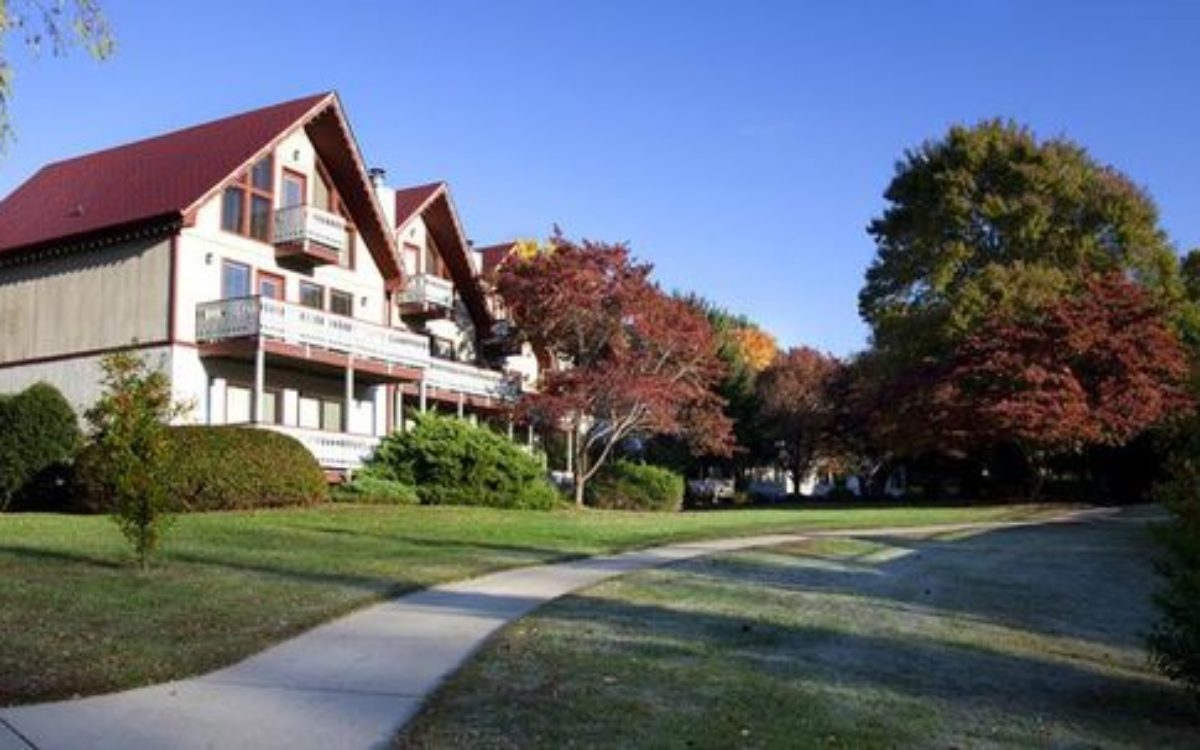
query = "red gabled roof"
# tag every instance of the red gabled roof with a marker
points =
(412, 200)
(155, 178)
(493, 255)
(432, 202)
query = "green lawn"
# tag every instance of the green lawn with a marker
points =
(1017, 638)
(76, 618)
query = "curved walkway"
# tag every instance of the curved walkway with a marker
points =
(353, 682)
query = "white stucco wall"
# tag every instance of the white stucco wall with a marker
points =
(204, 245)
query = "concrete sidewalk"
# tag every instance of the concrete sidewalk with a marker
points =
(353, 682)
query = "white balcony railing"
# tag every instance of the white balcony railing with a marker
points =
(307, 223)
(295, 324)
(465, 378)
(333, 450)
(425, 289)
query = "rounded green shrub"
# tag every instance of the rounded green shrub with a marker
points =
(240, 468)
(39, 435)
(452, 462)
(368, 488)
(220, 468)
(625, 485)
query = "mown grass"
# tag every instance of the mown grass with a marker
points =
(76, 618)
(1025, 638)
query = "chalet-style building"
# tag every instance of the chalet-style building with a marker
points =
(259, 263)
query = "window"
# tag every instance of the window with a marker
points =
(441, 348)
(232, 209)
(325, 197)
(271, 285)
(293, 192)
(235, 280)
(271, 411)
(246, 204)
(323, 192)
(238, 405)
(260, 217)
(411, 253)
(341, 303)
(312, 295)
(310, 413)
(331, 416)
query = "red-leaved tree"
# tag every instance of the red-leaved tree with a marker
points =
(796, 393)
(634, 361)
(1094, 368)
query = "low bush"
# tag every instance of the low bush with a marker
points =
(368, 488)
(226, 468)
(452, 462)
(239, 468)
(39, 435)
(625, 485)
(1175, 642)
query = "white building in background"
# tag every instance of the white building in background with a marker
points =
(256, 260)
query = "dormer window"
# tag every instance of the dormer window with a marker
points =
(247, 203)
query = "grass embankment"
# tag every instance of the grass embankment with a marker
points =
(77, 619)
(1020, 638)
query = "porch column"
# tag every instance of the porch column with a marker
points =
(571, 450)
(260, 379)
(460, 405)
(379, 407)
(400, 410)
(529, 437)
(422, 396)
(348, 408)
(510, 429)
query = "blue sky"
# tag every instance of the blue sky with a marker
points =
(739, 146)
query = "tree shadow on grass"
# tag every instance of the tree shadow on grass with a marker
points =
(533, 552)
(974, 680)
(37, 553)
(1089, 581)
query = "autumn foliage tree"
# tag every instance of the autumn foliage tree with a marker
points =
(1094, 368)
(635, 361)
(796, 393)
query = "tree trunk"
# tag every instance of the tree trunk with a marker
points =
(580, 468)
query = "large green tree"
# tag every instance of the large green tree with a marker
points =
(990, 218)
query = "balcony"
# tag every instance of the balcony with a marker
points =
(247, 317)
(310, 234)
(333, 450)
(469, 379)
(427, 295)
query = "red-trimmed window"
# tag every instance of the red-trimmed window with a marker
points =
(312, 295)
(248, 202)
(341, 303)
(235, 279)
(272, 285)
